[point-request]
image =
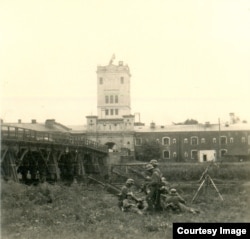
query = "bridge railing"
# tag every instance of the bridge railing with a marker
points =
(21, 134)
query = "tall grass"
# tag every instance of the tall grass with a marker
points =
(193, 171)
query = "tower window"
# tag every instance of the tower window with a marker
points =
(106, 99)
(116, 99)
(106, 112)
(122, 80)
(116, 111)
(111, 111)
(100, 80)
(111, 99)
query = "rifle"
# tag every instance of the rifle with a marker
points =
(141, 175)
(109, 187)
(137, 183)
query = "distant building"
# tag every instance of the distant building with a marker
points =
(114, 124)
(196, 143)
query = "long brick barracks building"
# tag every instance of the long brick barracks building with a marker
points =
(115, 127)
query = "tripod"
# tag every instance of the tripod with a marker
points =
(205, 178)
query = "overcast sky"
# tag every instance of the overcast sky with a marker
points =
(188, 59)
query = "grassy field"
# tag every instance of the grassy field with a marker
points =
(193, 171)
(78, 211)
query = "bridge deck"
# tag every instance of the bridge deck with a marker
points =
(22, 136)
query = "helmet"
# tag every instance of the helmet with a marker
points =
(173, 191)
(149, 166)
(130, 181)
(154, 162)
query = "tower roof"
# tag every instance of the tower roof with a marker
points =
(113, 68)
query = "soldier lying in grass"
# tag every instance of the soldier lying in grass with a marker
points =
(131, 204)
(127, 201)
(176, 203)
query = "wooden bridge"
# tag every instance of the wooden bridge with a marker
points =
(37, 155)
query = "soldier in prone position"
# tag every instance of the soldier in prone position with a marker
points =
(176, 203)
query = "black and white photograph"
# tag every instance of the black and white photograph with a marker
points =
(125, 119)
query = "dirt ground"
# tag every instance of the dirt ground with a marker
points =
(78, 211)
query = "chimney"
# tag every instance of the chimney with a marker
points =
(1, 121)
(152, 125)
(19, 121)
(33, 121)
(232, 118)
(49, 123)
(207, 124)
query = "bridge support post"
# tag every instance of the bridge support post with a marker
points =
(8, 164)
